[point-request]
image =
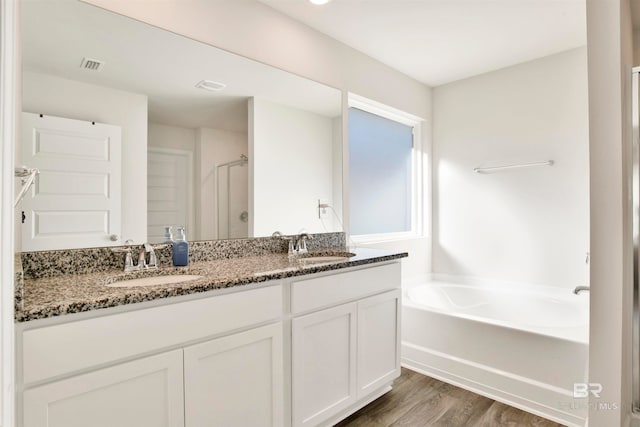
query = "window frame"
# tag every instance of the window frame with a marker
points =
(417, 170)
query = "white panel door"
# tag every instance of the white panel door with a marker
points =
(323, 364)
(169, 192)
(76, 200)
(236, 380)
(378, 341)
(144, 393)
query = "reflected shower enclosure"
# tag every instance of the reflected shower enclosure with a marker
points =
(231, 198)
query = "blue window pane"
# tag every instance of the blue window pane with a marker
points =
(379, 174)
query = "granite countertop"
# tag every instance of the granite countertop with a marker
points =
(60, 295)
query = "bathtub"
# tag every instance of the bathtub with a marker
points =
(522, 345)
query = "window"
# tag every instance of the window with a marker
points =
(384, 183)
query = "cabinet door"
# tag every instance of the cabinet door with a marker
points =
(378, 341)
(236, 380)
(145, 392)
(323, 363)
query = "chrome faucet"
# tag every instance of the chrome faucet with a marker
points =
(297, 244)
(142, 259)
(301, 243)
(581, 288)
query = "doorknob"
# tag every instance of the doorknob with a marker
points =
(113, 237)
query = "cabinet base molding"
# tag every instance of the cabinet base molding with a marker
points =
(357, 406)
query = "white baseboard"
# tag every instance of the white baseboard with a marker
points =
(541, 399)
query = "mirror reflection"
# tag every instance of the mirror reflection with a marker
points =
(135, 129)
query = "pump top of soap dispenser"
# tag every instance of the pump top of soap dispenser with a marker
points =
(168, 237)
(181, 235)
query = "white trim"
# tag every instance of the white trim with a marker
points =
(418, 169)
(345, 163)
(532, 396)
(384, 237)
(380, 109)
(9, 101)
(191, 227)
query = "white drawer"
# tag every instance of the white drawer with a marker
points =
(312, 294)
(60, 349)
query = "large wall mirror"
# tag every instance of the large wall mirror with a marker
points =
(127, 143)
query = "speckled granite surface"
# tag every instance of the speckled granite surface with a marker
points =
(54, 296)
(92, 260)
(18, 283)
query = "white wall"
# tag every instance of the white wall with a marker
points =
(172, 137)
(285, 192)
(46, 94)
(210, 147)
(610, 56)
(526, 225)
(213, 147)
(247, 28)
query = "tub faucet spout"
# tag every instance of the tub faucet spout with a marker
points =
(579, 289)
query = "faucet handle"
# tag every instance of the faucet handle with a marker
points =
(142, 259)
(302, 243)
(128, 261)
(153, 260)
(292, 252)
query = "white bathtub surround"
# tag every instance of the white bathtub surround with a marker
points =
(522, 345)
(528, 224)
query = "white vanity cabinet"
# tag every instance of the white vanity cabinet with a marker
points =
(378, 360)
(305, 351)
(235, 381)
(344, 354)
(96, 372)
(323, 364)
(144, 393)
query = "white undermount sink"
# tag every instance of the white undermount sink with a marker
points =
(154, 281)
(321, 259)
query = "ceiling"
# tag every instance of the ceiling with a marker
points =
(440, 41)
(57, 35)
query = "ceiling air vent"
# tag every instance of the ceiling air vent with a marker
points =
(211, 85)
(91, 64)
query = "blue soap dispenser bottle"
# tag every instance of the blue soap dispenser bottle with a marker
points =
(180, 249)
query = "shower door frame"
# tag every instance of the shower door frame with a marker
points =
(228, 165)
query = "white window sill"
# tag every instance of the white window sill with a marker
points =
(383, 238)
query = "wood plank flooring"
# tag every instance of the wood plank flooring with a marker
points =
(417, 400)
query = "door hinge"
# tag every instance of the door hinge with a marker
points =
(24, 217)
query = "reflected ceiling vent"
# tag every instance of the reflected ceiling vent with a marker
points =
(211, 85)
(92, 64)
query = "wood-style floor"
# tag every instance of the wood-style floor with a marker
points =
(417, 400)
